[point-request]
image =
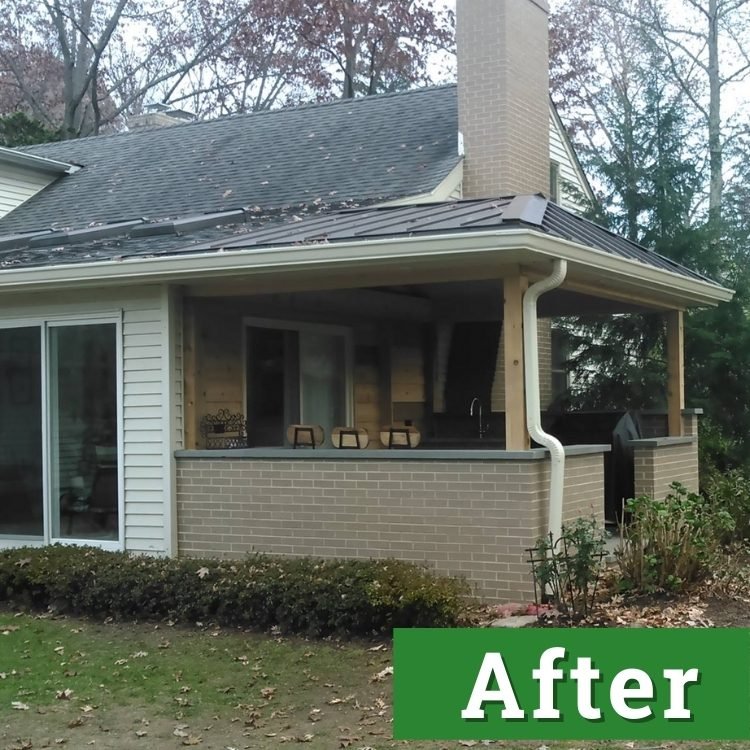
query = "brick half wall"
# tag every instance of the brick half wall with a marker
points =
(472, 518)
(661, 461)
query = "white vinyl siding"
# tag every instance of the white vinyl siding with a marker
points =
(18, 184)
(177, 374)
(560, 153)
(146, 479)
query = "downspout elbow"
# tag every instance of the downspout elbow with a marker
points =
(533, 398)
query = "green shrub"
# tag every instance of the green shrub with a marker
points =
(670, 543)
(568, 568)
(300, 595)
(730, 491)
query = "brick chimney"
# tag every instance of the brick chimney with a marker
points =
(503, 96)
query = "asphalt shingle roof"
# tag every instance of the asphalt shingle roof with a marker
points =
(379, 147)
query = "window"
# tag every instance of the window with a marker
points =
(295, 373)
(59, 454)
(21, 446)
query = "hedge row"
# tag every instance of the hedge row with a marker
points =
(299, 595)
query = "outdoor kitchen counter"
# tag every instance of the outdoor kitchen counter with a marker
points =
(384, 454)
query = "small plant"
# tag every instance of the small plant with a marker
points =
(567, 570)
(730, 491)
(668, 544)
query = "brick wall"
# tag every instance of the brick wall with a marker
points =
(469, 518)
(503, 96)
(584, 488)
(544, 337)
(661, 461)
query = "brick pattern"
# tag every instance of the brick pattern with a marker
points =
(584, 488)
(690, 425)
(544, 337)
(503, 96)
(656, 467)
(472, 518)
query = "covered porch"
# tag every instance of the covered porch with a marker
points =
(431, 342)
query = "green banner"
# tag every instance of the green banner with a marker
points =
(554, 683)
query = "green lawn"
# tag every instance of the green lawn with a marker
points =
(77, 683)
(226, 689)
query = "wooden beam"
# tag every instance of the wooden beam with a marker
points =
(675, 371)
(189, 364)
(516, 435)
(385, 400)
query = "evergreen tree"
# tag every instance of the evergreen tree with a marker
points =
(648, 186)
(19, 129)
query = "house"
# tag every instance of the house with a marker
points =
(314, 267)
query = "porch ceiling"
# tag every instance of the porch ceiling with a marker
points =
(454, 300)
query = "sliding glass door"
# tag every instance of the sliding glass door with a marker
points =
(59, 467)
(21, 447)
(83, 431)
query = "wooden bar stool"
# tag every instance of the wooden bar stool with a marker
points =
(305, 435)
(400, 436)
(355, 438)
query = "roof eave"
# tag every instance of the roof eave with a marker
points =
(36, 163)
(533, 246)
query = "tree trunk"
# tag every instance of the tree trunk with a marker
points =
(714, 116)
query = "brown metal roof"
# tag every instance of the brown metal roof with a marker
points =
(237, 230)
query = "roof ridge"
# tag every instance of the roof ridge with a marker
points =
(357, 101)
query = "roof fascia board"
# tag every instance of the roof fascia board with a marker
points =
(36, 163)
(178, 268)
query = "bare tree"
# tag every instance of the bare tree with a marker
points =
(111, 53)
(707, 46)
(376, 45)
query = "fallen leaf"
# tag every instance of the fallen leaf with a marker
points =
(267, 692)
(64, 695)
(382, 674)
(202, 572)
(192, 740)
(19, 706)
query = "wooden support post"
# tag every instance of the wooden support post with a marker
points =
(385, 375)
(189, 364)
(516, 434)
(675, 371)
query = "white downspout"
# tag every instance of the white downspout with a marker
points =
(533, 400)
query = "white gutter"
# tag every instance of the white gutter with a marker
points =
(490, 246)
(533, 401)
(38, 163)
